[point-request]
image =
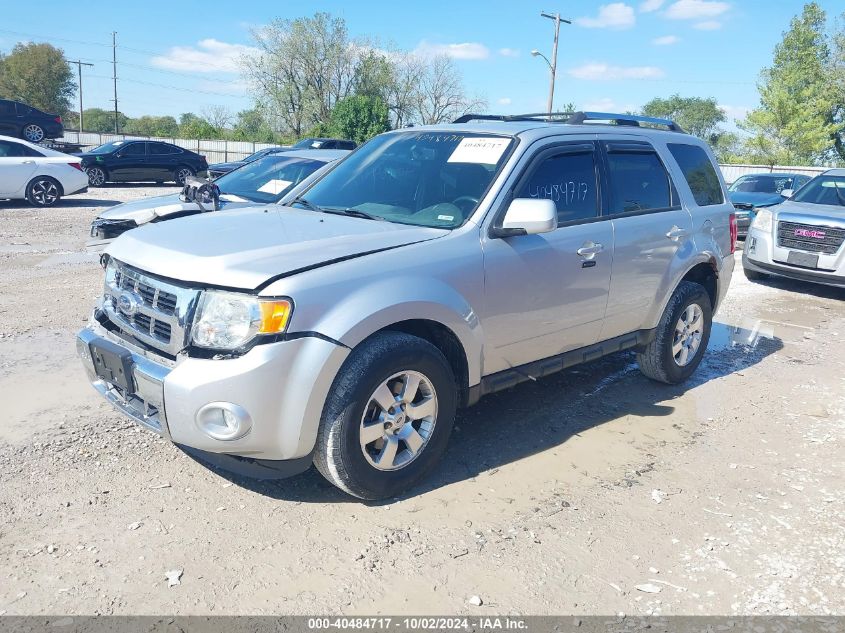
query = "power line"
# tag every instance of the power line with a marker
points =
(181, 88)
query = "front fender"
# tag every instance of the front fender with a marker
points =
(385, 302)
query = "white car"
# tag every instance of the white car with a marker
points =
(37, 174)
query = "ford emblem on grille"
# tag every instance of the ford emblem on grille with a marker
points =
(128, 303)
(816, 235)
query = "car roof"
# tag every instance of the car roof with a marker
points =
(532, 130)
(835, 172)
(323, 155)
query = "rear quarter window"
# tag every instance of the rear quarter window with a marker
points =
(699, 173)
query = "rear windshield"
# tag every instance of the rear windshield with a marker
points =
(432, 179)
(267, 179)
(828, 190)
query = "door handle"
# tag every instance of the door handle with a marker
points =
(676, 233)
(28, 162)
(590, 250)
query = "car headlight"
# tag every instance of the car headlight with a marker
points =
(228, 320)
(762, 220)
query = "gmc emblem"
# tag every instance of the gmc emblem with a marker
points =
(816, 235)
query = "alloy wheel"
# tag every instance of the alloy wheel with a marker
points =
(33, 133)
(689, 331)
(96, 176)
(182, 175)
(398, 420)
(45, 192)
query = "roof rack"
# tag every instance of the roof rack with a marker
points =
(574, 118)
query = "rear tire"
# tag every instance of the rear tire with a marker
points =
(182, 174)
(97, 176)
(682, 336)
(43, 191)
(33, 133)
(375, 452)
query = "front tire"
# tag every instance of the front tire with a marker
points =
(33, 133)
(96, 176)
(681, 338)
(388, 416)
(43, 192)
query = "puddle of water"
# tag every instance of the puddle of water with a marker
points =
(70, 259)
(751, 333)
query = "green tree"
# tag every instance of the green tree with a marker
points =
(163, 126)
(250, 125)
(796, 121)
(99, 120)
(38, 75)
(359, 118)
(698, 116)
(193, 126)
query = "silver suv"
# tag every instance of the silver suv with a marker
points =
(428, 268)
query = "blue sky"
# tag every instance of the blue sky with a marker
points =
(615, 56)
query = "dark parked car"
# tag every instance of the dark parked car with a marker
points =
(141, 161)
(218, 169)
(758, 191)
(30, 124)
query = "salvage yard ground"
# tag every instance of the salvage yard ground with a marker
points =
(593, 491)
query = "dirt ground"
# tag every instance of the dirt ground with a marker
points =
(593, 492)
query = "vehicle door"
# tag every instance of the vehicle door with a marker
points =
(17, 166)
(546, 294)
(129, 162)
(160, 162)
(650, 228)
(9, 124)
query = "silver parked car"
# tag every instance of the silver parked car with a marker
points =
(803, 237)
(430, 267)
(264, 180)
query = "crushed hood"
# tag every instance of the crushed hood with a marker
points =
(149, 209)
(247, 247)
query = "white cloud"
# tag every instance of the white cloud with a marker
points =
(208, 56)
(666, 40)
(464, 50)
(606, 104)
(708, 25)
(611, 16)
(599, 71)
(651, 5)
(696, 9)
(735, 112)
(504, 101)
(509, 52)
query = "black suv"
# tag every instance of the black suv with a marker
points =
(30, 124)
(141, 161)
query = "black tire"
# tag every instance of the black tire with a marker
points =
(657, 361)
(33, 133)
(753, 275)
(181, 174)
(43, 191)
(339, 455)
(97, 176)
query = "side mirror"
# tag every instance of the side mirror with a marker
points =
(787, 193)
(528, 216)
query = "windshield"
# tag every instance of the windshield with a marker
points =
(267, 179)
(823, 190)
(259, 154)
(761, 184)
(108, 148)
(423, 178)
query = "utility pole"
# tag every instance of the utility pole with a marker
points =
(114, 76)
(79, 65)
(553, 65)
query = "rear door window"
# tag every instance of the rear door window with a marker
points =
(638, 180)
(568, 179)
(9, 149)
(699, 173)
(133, 149)
(161, 149)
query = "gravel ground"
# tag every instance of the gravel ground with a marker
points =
(593, 491)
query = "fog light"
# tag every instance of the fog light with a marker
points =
(224, 421)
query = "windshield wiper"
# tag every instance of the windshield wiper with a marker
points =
(307, 204)
(357, 213)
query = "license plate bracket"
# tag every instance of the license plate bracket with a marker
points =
(113, 364)
(803, 260)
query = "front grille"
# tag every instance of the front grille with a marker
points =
(810, 237)
(149, 309)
